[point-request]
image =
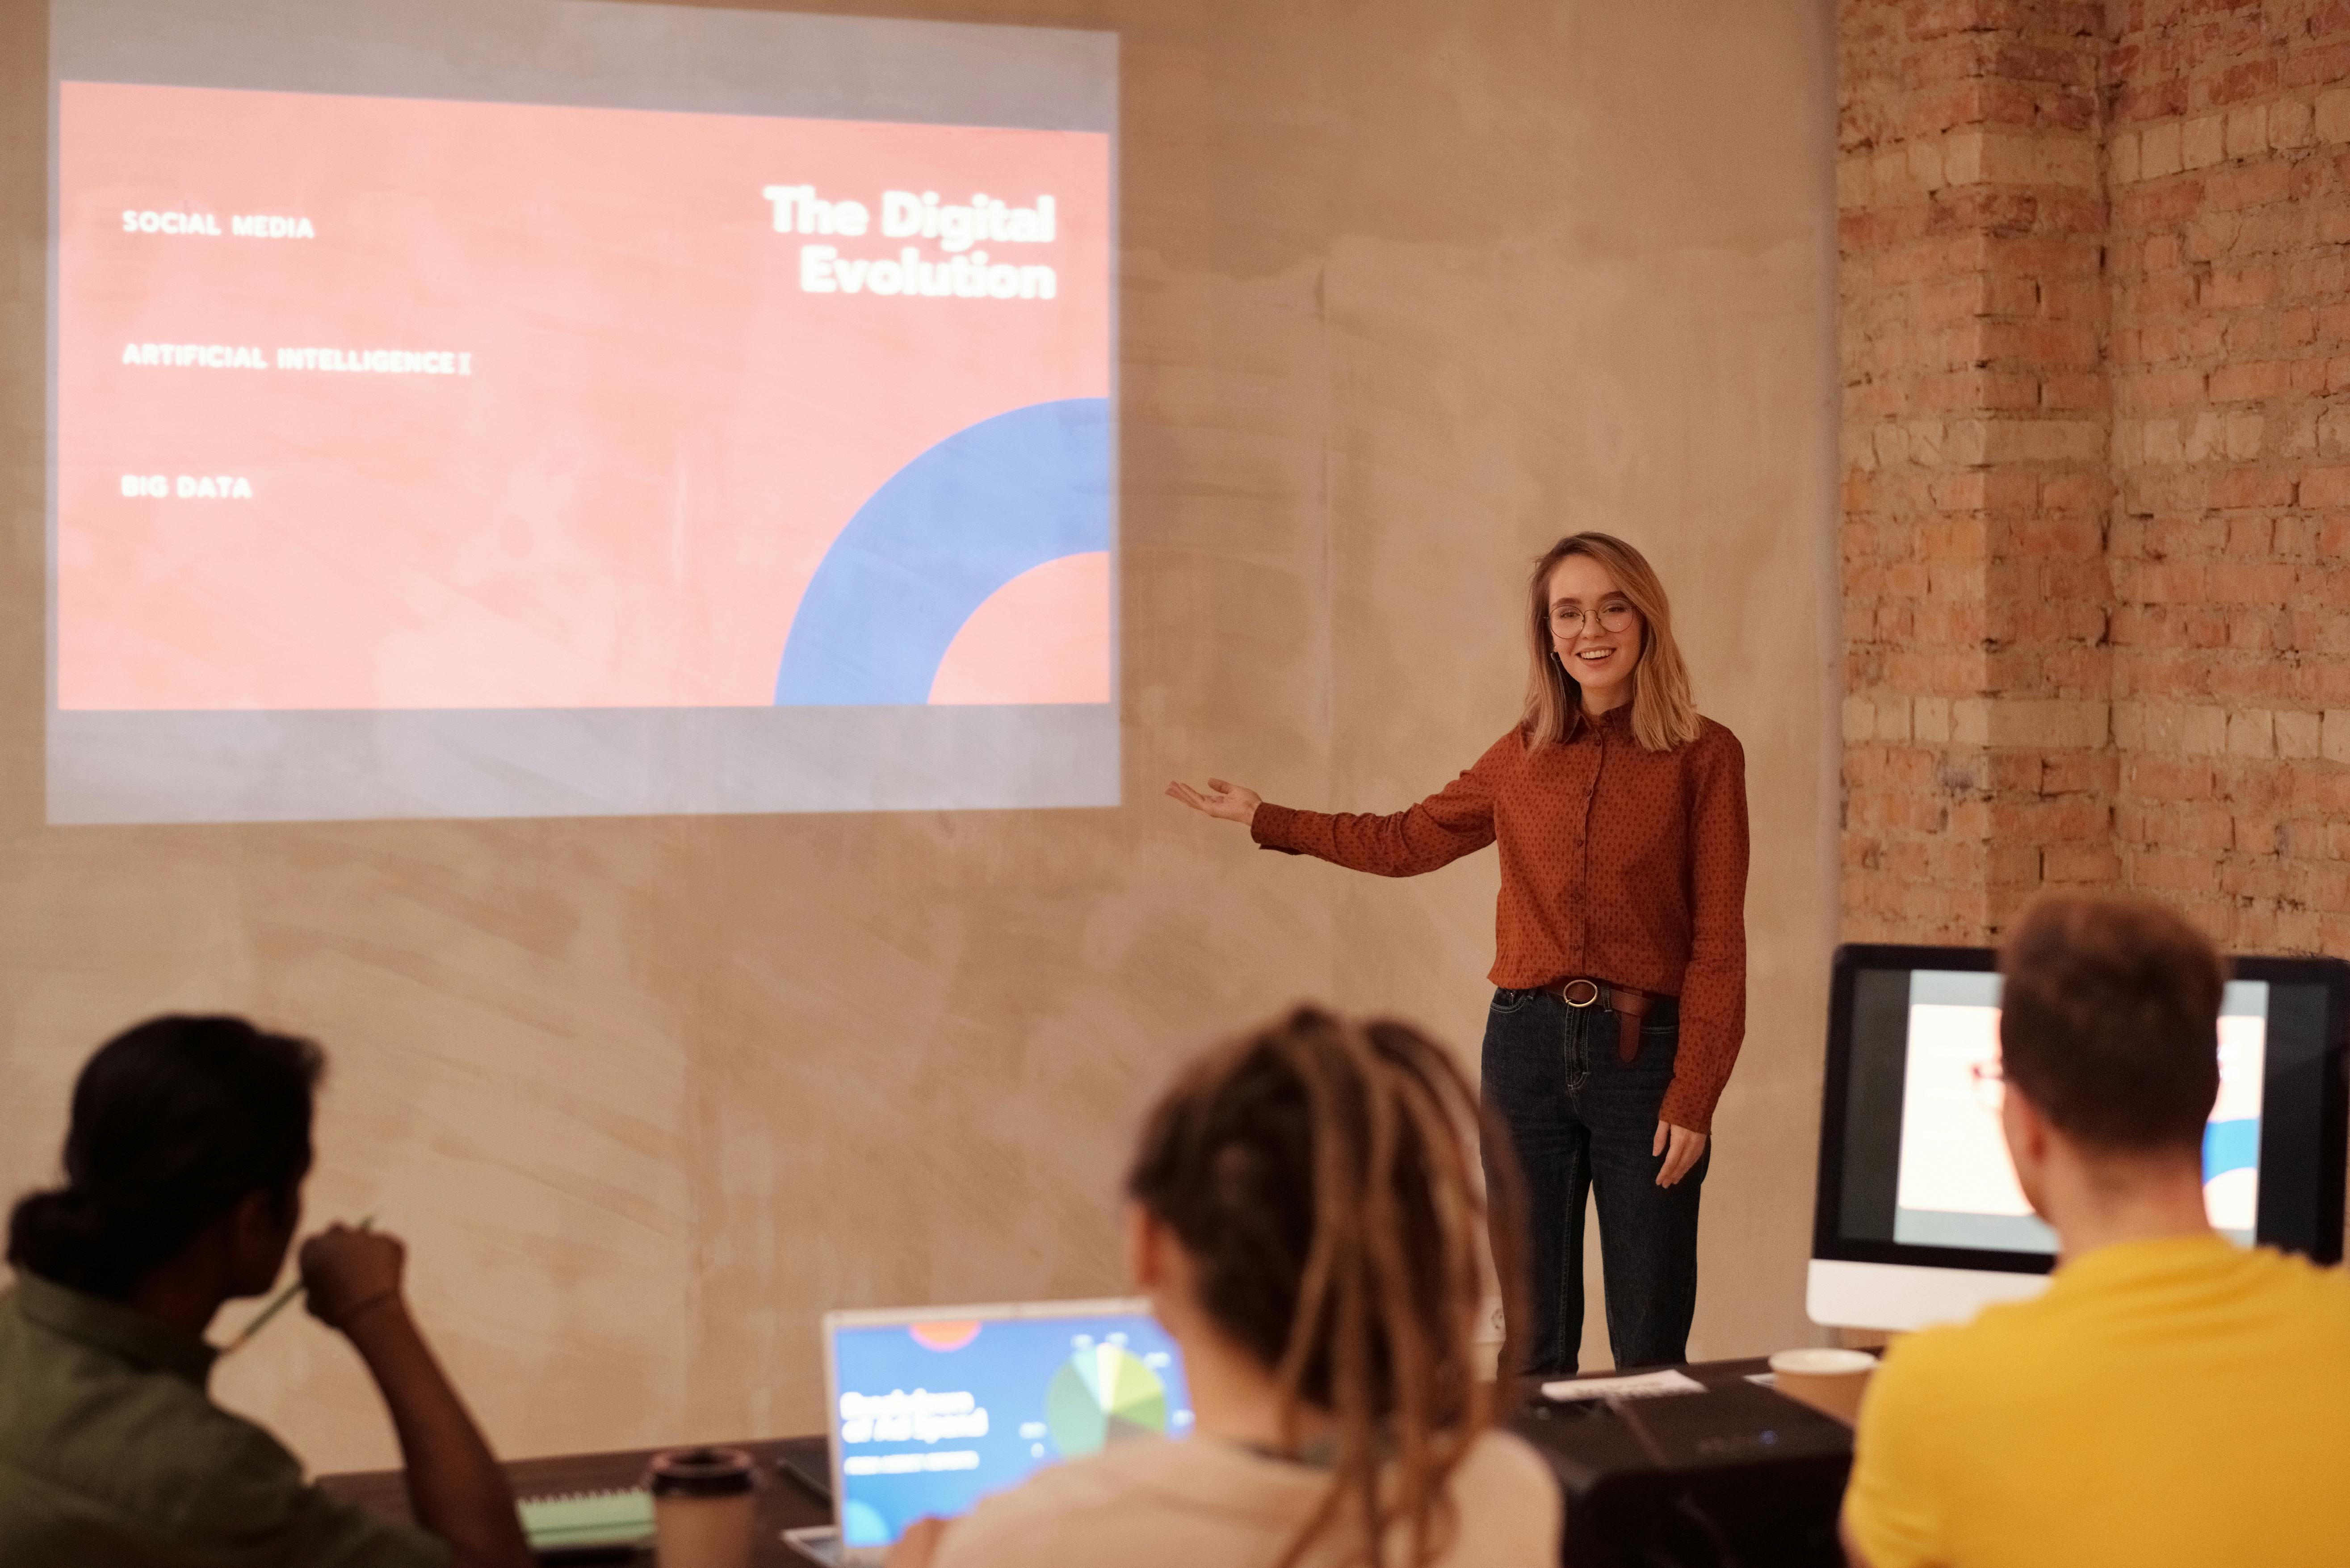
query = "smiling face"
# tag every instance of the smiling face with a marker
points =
(1595, 631)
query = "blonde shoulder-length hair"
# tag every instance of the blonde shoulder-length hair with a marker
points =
(1663, 716)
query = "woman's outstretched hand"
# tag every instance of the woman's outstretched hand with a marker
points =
(1230, 802)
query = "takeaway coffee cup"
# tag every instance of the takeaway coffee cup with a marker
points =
(702, 1507)
(1829, 1381)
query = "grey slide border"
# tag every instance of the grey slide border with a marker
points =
(610, 54)
(150, 767)
(599, 762)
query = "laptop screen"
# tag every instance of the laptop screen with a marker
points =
(932, 1413)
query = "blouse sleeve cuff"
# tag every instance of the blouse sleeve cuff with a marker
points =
(1271, 826)
(1690, 1105)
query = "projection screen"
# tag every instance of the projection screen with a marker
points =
(523, 408)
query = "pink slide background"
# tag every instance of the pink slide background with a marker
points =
(662, 434)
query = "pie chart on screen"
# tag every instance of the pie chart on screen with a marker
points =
(1103, 1394)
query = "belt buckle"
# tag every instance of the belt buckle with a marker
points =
(1590, 992)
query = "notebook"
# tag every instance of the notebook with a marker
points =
(587, 1522)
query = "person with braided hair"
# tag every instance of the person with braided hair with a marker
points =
(1306, 1214)
(185, 1160)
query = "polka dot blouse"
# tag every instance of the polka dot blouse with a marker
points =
(1620, 864)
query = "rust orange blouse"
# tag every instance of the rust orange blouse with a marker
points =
(1625, 865)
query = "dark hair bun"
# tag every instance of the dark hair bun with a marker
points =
(54, 1234)
(175, 1122)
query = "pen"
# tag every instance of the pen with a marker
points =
(276, 1304)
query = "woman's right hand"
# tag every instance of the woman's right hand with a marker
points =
(1230, 802)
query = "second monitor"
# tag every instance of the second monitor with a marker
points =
(1920, 1219)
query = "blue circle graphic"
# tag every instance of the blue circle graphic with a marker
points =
(949, 529)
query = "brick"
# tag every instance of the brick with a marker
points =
(2332, 432)
(2297, 735)
(2249, 186)
(2261, 379)
(2333, 735)
(2320, 65)
(2332, 117)
(2252, 733)
(2234, 583)
(2122, 157)
(2245, 432)
(2326, 487)
(2232, 287)
(2202, 437)
(2248, 132)
(2150, 101)
(2252, 487)
(2202, 142)
(2246, 79)
(2172, 389)
(2292, 123)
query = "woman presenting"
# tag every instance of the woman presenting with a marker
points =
(1620, 938)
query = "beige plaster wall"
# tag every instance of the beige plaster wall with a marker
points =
(1408, 290)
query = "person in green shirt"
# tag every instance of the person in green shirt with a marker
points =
(189, 1142)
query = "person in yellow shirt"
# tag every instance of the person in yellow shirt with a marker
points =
(2172, 1398)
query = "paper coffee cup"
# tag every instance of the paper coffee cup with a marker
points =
(1829, 1381)
(702, 1507)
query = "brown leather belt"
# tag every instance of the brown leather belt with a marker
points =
(1630, 1006)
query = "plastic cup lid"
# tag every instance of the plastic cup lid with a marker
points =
(699, 1472)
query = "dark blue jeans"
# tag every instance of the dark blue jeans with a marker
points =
(1582, 1123)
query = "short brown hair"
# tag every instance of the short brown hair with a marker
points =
(2109, 1022)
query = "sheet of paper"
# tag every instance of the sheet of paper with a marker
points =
(1638, 1385)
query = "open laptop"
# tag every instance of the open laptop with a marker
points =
(934, 1408)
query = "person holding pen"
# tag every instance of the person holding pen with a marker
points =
(189, 1142)
(1620, 957)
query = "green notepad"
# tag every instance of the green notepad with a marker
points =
(588, 1519)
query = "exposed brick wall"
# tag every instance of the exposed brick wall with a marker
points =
(1971, 197)
(2096, 529)
(2228, 164)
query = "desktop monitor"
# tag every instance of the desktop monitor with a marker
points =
(1920, 1220)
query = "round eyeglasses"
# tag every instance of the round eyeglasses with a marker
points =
(1568, 621)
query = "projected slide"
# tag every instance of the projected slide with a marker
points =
(590, 457)
(934, 1418)
(1956, 1186)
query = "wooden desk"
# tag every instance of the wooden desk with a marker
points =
(1798, 1504)
(783, 1504)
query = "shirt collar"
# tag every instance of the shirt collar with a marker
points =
(2124, 1259)
(1617, 718)
(115, 1328)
